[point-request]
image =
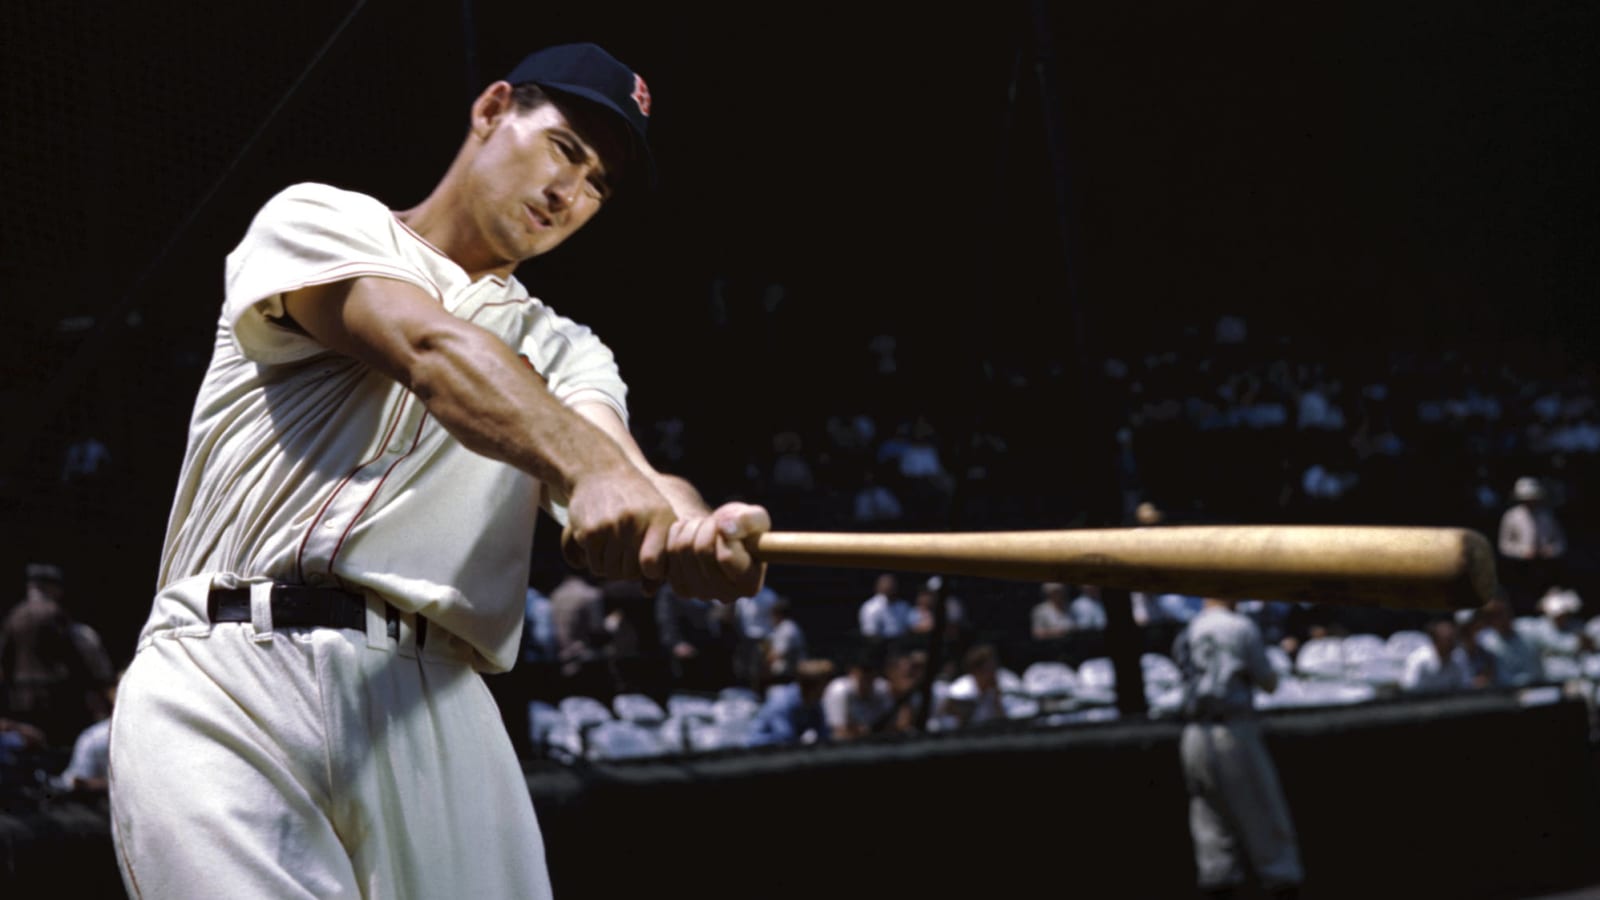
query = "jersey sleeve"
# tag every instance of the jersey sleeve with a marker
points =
(576, 365)
(306, 235)
(577, 368)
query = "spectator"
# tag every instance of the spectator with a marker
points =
(793, 712)
(975, 697)
(1438, 666)
(1558, 634)
(1477, 663)
(89, 769)
(922, 612)
(1052, 618)
(1532, 544)
(630, 622)
(697, 640)
(790, 470)
(855, 702)
(22, 746)
(785, 644)
(1516, 660)
(1238, 817)
(53, 669)
(1088, 612)
(538, 628)
(577, 612)
(904, 673)
(884, 616)
(876, 503)
(753, 618)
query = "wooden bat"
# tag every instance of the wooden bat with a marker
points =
(1425, 568)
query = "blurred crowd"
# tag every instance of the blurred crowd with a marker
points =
(1213, 423)
(57, 688)
(895, 674)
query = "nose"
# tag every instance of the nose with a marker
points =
(562, 191)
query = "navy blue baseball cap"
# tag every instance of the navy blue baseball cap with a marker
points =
(588, 72)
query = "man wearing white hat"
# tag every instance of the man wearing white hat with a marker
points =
(1532, 544)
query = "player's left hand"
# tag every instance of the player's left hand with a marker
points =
(707, 558)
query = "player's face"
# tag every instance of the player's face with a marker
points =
(537, 181)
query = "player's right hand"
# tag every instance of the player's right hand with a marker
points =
(617, 526)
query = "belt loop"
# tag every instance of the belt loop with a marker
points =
(407, 644)
(377, 621)
(261, 611)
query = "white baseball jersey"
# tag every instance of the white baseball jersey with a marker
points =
(308, 466)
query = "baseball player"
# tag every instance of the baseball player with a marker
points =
(385, 411)
(1238, 818)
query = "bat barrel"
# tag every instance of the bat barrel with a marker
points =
(1430, 568)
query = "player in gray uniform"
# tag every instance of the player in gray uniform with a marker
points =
(1237, 814)
(385, 412)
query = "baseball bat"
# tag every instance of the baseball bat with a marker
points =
(1423, 568)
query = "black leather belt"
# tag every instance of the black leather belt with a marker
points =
(300, 606)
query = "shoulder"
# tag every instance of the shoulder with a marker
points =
(314, 195)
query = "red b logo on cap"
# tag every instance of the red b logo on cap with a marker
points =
(641, 94)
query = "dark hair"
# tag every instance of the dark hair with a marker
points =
(980, 656)
(529, 96)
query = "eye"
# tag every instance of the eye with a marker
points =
(597, 188)
(568, 149)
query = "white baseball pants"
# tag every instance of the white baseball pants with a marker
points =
(315, 763)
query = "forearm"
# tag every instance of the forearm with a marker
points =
(491, 401)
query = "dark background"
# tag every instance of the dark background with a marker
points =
(1362, 176)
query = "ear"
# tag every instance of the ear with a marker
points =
(493, 105)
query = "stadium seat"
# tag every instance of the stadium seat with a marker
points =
(583, 711)
(1559, 667)
(1405, 642)
(1010, 682)
(691, 705)
(740, 693)
(721, 735)
(1160, 672)
(1591, 666)
(1281, 663)
(542, 717)
(638, 708)
(1367, 659)
(1097, 680)
(734, 708)
(1321, 657)
(1361, 647)
(1049, 680)
(622, 740)
(1019, 706)
(674, 732)
(564, 740)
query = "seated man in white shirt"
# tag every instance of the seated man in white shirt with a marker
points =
(1516, 659)
(1052, 617)
(884, 615)
(854, 702)
(975, 697)
(1435, 667)
(785, 645)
